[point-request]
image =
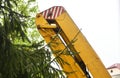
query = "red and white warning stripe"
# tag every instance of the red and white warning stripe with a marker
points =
(53, 12)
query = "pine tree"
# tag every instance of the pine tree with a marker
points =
(21, 53)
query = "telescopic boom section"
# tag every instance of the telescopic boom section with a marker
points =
(66, 41)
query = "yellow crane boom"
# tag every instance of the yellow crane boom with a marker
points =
(62, 34)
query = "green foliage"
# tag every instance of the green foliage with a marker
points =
(21, 52)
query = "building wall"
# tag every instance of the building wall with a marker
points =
(114, 72)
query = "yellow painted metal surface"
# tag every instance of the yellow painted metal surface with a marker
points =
(86, 58)
(71, 32)
(57, 45)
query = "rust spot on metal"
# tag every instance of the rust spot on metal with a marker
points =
(38, 27)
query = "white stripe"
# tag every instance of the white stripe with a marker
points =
(61, 9)
(53, 12)
(57, 12)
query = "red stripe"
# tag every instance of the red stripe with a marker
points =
(49, 13)
(52, 13)
(51, 10)
(46, 16)
(56, 11)
(43, 14)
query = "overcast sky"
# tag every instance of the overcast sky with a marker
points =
(99, 21)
